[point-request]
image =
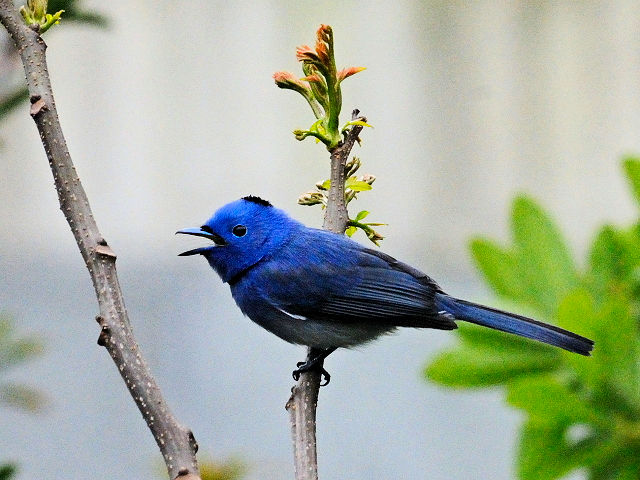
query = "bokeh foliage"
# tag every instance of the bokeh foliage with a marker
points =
(581, 413)
(7, 471)
(233, 469)
(14, 351)
(228, 469)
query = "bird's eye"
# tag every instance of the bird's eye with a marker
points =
(239, 230)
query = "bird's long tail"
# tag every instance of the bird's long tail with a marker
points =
(512, 323)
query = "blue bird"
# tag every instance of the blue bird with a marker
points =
(316, 288)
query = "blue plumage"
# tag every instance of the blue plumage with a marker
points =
(316, 288)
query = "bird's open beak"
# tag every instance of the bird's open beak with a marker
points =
(198, 232)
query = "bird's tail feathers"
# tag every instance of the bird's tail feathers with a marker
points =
(513, 323)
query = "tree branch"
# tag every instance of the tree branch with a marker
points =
(176, 442)
(302, 404)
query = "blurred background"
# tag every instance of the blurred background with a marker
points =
(170, 111)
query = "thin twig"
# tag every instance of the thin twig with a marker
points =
(176, 442)
(303, 403)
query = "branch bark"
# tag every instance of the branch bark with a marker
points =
(303, 403)
(176, 442)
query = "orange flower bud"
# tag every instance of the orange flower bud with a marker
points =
(305, 53)
(347, 72)
(284, 77)
(324, 41)
(289, 81)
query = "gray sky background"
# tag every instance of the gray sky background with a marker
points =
(171, 112)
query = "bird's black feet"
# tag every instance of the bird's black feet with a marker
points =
(315, 361)
(309, 366)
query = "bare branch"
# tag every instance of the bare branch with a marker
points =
(176, 442)
(302, 404)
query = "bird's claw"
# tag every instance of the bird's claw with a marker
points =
(305, 367)
(325, 378)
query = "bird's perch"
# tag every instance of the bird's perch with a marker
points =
(176, 442)
(303, 402)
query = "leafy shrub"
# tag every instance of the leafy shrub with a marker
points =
(581, 413)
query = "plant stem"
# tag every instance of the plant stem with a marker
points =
(176, 442)
(303, 403)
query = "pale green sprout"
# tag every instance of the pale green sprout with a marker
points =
(35, 13)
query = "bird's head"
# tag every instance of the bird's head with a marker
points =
(242, 233)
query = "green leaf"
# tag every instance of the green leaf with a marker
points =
(607, 256)
(547, 452)
(15, 351)
(538, 270)
(357, 122)
(544, 453)
(499, 268)
(7, 471)
(21, 397)
(232, 469)
(549, 401)
(350, 231)
(51, 20)
(615, 259)
(19, 351)
(631, 167)
(489, 357)
(613, 371)
(361, 215)
(544, 263)
(479, 367)
(631, 469)
(609, 458)
(357, 185)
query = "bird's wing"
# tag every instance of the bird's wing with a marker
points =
(388, 291)
(344, 282)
